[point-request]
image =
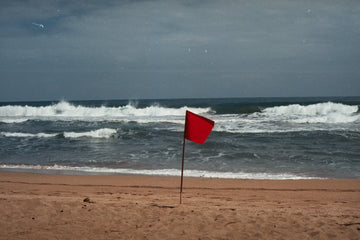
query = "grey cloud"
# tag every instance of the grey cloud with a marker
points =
(256, 46)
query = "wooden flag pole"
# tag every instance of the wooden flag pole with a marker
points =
(182, 170)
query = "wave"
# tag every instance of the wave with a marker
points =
(99, 133)
(328, 112)
(292, 118)
(28, 135)
(10, 120)
(333, 112)
(153, 172)
(277, 119)
(67, 111)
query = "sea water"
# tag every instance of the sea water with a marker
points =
(256, 138)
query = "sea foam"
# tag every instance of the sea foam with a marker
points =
(99, 133)
(27, 135)
(290, 118)
(328, 112)
(154, 172)
(68, 112)
(12, 120)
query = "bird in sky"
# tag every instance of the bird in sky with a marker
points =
(38, 25)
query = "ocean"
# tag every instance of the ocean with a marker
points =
(253, 138)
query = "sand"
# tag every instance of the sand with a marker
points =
(39, 206)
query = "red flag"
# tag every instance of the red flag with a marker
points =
(197, 128)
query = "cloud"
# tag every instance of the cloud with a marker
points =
(134, 43)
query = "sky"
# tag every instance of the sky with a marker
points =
(151, 49)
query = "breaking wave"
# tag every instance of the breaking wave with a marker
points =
(276, 119)
(28, 135)
(67, 111)
(291, 118)
(100, 133)
(14, 120)
(315, 113)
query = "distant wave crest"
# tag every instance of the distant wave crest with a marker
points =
(27, 135)
(328, 112)
(100, 133)
(13, 120)
(277, 119)
(292, 118)
(68, 112)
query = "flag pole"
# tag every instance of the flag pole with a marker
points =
(196, 129)
(182, 169)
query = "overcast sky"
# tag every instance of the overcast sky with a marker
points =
(57, 49)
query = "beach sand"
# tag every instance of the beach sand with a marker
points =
(40, 206)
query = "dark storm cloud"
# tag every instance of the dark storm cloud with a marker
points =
(151, 49)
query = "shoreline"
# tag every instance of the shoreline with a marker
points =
(49, 206)
(104, 171)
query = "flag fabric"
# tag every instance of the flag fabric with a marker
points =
(197, 128)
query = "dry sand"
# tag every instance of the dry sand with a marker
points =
(36, 206)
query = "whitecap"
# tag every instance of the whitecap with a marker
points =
(66, 111)
(99, 133)
(28, 135)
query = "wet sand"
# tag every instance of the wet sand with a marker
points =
(40, 206)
